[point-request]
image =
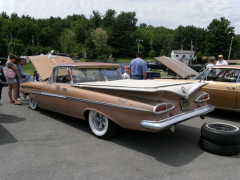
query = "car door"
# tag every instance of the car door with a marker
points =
(223, 90)
(55, 91)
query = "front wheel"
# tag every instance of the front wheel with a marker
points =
(101, 126)
(32, 103)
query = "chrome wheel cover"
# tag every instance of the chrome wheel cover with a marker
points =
(98, 123)
(32, 103)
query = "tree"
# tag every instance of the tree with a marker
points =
(99, 39)
(183, 37)
(122, 40)
(152, 54)
(218, 37)
(95, 19)
(67, 40)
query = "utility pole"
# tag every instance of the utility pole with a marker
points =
(191, 46)
(11, 41)
(138, 42)
(32, 44)
(230, 49)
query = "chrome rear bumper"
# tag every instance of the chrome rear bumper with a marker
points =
(167, 123)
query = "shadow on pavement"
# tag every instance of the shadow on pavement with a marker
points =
(225, 115)
(175, 149)
(10, 119)
(5, 136)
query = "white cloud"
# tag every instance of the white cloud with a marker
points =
(167, 13)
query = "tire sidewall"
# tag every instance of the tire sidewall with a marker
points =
(219, 136)
(95, 131)
(219, 149)
(31, 100)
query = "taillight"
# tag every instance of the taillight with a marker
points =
(203, 97)
(162, 108)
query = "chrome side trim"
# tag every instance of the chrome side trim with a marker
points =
(54, 95)
(107, 104)
(87, 101)
(217, 107)
(168, 122)
(33, 92)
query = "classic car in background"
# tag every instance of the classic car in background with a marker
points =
(156, 65)
(97, 92)
(223, 86)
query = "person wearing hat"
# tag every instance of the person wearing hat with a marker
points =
(221, 61)
(126, 75)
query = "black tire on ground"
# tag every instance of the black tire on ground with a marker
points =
(219, 149)
(101, 126)
(32, 103)
(221, 133)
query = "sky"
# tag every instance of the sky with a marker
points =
(167, 13)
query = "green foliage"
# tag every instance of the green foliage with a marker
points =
(113, 33)
(152, 54)
(218, 37)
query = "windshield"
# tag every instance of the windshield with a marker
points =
(220, 74)
(95, 74)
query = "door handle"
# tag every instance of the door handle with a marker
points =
(231, 88)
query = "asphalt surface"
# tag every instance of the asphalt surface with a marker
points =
(46, 145)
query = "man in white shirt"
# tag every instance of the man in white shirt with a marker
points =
(221, 61)
(211, 63)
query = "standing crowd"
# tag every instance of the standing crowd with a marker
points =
(212, 62)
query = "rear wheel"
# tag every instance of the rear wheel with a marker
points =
(101, 126)
(32, 103)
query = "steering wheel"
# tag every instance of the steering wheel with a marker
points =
(65, 79)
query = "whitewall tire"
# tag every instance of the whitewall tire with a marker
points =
(101, 126)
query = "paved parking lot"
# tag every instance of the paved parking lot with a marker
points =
(47, 145)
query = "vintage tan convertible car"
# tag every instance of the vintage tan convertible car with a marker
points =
(97, 92)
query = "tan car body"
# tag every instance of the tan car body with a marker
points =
(128, 103)
(224, 91)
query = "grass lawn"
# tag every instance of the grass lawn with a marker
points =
(28, 68)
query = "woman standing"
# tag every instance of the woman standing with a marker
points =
(24, 76)
(12, 83)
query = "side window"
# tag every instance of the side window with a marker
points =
(61, 75)
(228, 75)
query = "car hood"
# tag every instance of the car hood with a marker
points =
(177, 66)
(44, 64)
(182, 88)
